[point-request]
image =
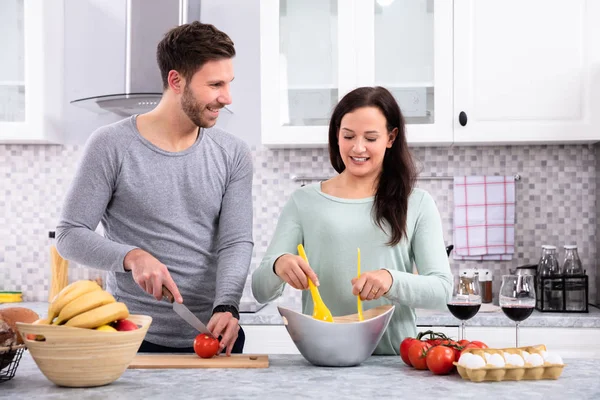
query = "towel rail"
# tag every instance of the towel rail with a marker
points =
(301, 178)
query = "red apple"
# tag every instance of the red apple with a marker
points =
(125, 325)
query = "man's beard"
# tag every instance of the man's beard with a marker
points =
(193, 110)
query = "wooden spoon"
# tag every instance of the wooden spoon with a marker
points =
(359, 303)
(320, 311)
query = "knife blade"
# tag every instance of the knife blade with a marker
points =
(185, 313)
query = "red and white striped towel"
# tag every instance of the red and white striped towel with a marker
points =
(484, 217)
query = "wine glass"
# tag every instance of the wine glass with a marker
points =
(517, 299)
(466, 299)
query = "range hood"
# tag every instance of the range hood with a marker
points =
(147, 22)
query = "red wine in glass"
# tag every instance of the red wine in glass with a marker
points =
(466, 299)
(463, 311)
(517, 313)
(517, 299)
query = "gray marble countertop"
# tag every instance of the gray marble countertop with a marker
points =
(291, 377)
(270, 316)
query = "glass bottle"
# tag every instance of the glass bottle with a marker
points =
(550, 278)
(574, 280)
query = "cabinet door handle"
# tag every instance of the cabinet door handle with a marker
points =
(462, 118)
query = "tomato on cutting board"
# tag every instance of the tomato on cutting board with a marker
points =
(205, 346)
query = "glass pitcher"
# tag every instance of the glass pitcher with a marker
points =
(549, 280)
(575, 295)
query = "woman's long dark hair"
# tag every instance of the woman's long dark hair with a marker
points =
(397, 177)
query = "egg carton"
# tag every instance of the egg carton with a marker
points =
(509, 372)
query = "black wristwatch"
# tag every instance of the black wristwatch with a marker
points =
(227, 308)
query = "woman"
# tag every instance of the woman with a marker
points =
(372, 205)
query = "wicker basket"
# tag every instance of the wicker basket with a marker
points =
(9, 361)
(77, 357)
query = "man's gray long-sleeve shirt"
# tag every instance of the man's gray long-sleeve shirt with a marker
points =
(192, 210)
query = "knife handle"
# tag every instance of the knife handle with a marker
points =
(167, 294)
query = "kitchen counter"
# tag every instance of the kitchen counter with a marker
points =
(291, 377)
(270, 316)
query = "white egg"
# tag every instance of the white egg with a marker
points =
(476, 362)
(507, 356)
(464, 359)
(487, 357)
(496, 360)
(524, 354)
(544, 354)
(552, 358)
(516, 360)
(535, 360)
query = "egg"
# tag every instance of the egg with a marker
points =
(524, 354)
(535, 360)
(515, 360)
(487, 357)
(476, 362)
(464, 359)
(496, 360)
(552, 358)
(543, 353)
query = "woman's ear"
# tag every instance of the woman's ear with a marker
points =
(391, 137)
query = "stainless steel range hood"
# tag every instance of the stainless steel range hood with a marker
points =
(147, 22)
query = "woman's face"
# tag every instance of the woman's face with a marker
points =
(363, 138)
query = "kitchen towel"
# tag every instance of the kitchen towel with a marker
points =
(484, 217)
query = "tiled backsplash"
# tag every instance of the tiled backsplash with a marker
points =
(556, 202)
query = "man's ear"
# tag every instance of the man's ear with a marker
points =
(391, 137)
(176, 81)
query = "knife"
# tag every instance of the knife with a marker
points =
(185, 313)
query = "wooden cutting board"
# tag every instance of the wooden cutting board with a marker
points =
(167, 361)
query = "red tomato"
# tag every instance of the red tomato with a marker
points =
(470, 346)
(404, 346)
(416, 354)
(205, 346)
(479, 344)
(439, 360)
(463, 342)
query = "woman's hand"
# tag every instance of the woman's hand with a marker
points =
(294, 271)
(372, 285)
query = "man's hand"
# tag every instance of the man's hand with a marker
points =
(294, 271)
(225, 325)
(150, 274)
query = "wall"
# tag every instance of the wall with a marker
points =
(556, 202)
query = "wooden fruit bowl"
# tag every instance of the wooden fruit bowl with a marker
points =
(77, 357)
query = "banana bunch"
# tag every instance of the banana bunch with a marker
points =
(83, 304)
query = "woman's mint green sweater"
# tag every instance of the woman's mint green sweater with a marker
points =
(331, 229)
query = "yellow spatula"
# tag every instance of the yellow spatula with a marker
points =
(320, 311)
(360, 309)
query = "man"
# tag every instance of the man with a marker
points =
(174, 196)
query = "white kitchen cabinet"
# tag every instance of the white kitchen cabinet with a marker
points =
(566, 342)
(268, 339)
(314, 51)
(526, 71)
(31, 83)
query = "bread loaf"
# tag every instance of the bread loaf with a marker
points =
(7, 338)
(12, 315)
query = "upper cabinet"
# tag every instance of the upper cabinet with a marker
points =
(463, 71)
(31, 84)
(313, 52)
(526, 71)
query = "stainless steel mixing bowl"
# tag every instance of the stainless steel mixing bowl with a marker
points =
(335, 344)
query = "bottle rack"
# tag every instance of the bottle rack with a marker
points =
(560, 283)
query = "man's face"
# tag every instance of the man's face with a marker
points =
(207, 92)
